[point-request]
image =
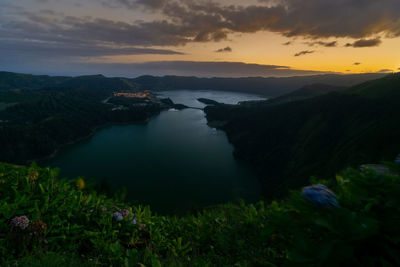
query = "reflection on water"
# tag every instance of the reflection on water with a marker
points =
(174, 163)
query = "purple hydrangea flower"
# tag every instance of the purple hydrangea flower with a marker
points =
(133, 220)
(320, 196)
(118, 216)
(20, 221)
(397, 160)
(125, 212)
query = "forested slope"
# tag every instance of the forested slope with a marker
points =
(318, 136)
(49, 118)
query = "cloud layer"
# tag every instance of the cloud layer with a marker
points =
(181, 21)
(365, 43)
(302, 53)
(224, 50)
(208, 20)
(171, 24)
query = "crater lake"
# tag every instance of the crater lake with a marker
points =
(174, 163)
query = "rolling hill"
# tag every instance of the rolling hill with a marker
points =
(270, 87)
(318, 136)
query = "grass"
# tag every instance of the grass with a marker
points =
(73, 225)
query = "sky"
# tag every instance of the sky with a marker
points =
(205, 38)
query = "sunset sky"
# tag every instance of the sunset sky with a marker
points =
(227, 38)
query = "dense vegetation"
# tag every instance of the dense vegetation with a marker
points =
(291, 141)
(46, 221)
(52, 117)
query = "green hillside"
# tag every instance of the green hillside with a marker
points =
(10, 80)
(385, 87)
(287, 143)
(99, 82)
(17, 81)
(36, 123)
(306, 92)
(45, 221)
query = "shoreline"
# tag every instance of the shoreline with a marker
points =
(91, 134)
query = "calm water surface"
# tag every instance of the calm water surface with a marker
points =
(173, 163)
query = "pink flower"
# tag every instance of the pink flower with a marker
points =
(20, 221)
(125, 212)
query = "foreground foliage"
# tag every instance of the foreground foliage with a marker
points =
(73, 225)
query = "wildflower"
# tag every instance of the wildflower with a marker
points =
(320, 196)
(102, 208)
(20, 221)
(38, 227)
(80, 184)
(125, 212)
(118, 216)
(397, 160)
(33, 175)
(133, 220)
(142, 226)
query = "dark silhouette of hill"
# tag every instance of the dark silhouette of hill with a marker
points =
(99, 82)
(308, 91)
(270, 87)
(317, 136)
(10, 80)
(303, 93)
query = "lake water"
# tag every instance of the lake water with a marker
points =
(174, 163)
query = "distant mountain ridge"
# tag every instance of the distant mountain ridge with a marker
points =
(270, 87)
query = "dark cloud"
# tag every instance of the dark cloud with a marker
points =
(149, 3)
(385, 71)
(312, 18)
(61, 50)
(321, 43)
(226, 49)
(52, 34)
(365, 43)
(357, 63)
(180, 22)
(302, 53)
(134, 4)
